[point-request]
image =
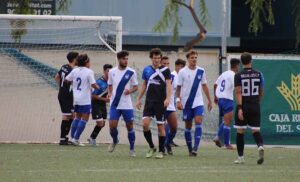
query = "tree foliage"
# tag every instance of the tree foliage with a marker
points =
(171, 19)
(260, 11)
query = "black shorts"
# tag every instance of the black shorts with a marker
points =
(66, 105)
(155, 109)
(99, 112)
(251, 114)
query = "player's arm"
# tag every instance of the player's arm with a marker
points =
(178, 99)
(215, 96)
(168, 87)
(110, 89)
(238, 95)
(132, 90)
(141, 93)
(261, 88)
(206, 92)
(57, 79)
(134, 84)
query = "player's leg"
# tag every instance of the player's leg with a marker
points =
(198, 117)
(67, 113)
(99, 115)
(113, 124)
(85, 111)
(187, 118)
(147, 117)
(241, 126)
(75, 121)
(128, 117)
(159, 112)
(219, 135)
(228, 115)
(254, 123)
(172, 121)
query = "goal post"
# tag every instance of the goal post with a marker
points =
(32, 50)
(100, 19)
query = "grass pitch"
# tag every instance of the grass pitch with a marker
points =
(42, 162)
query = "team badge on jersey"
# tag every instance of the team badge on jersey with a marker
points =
(126, 76)
(199, 77)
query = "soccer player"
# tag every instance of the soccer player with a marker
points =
(122, 82)
(170, 114)
(157, 85)
(83, 80)
(99, 100)
(65, 97)
(191, 82)
(248, 85)
(223, 92)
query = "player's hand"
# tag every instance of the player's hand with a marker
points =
(126, 92)
(138, 104)
(179, 105)
(108, 96)
(166, 103)
(216, 100)
(209, 106)
(240, 114)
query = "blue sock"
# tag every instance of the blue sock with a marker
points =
(80, 128)
(169, 138)
(74, 127)
(197, 136)
(114, 135)
(226, 134)
(131, 138)
(220, 130)
(188, 139)
(167, 129)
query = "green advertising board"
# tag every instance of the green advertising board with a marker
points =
(280, 106)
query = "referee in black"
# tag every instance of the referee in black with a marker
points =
(249, 91)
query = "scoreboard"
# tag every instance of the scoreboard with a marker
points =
(39, 7)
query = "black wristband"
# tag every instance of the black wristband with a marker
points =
(239, 107)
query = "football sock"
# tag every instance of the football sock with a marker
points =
(131, 138)
(188, 138)
(74, 127)
(80, 128)
(63, 128)
(220, 130)
(240, 144)
(170, 136)
(114, 134)
(148, 137)
(258, 139)
(167, 129)
(197, 136)
(226, 134)
(68, 128)
(95, 132)
(161, 140)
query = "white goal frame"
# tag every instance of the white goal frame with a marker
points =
(117, 19)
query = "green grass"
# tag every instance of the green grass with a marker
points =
(37, 162)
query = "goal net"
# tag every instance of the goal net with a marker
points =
(32, 49)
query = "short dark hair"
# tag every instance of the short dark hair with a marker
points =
(234, 62)
(164, 57)
(71, 56)
(122, 54)
(246, 58)
(107, 66)
(191, 52)
(155, 51)
(180, 62)
(82, 60)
